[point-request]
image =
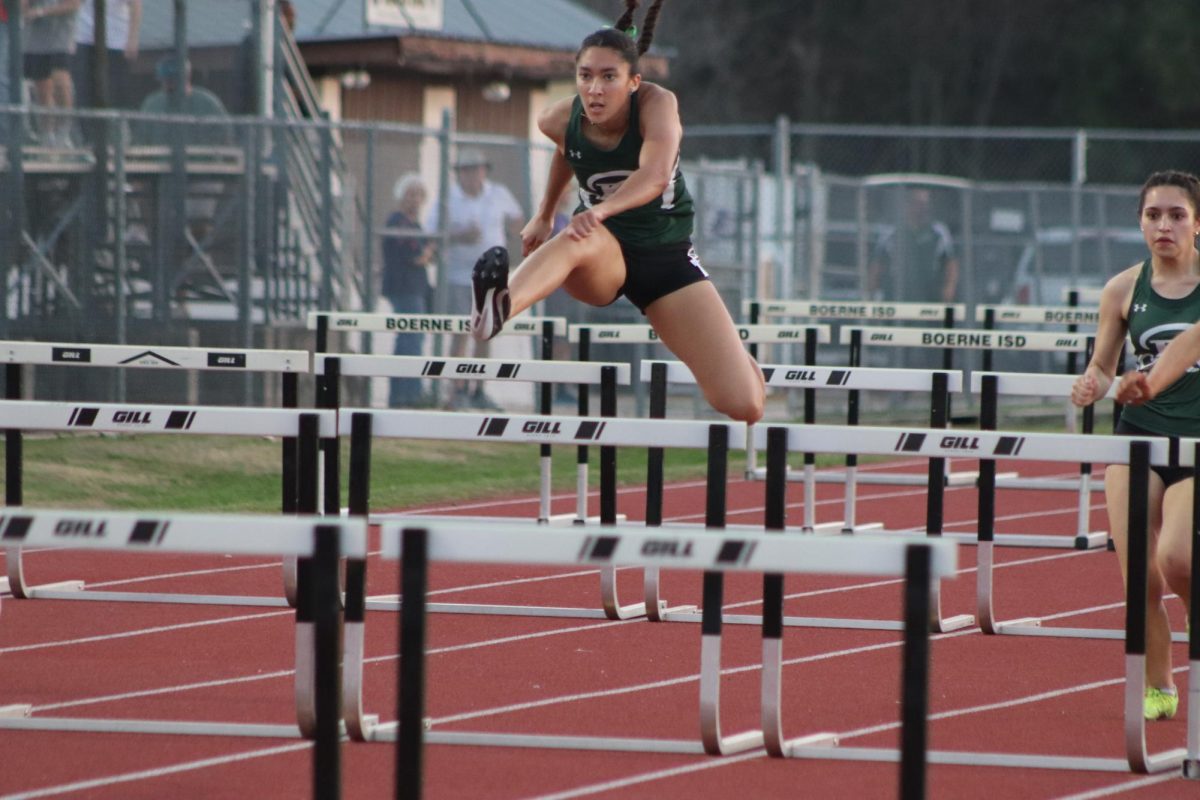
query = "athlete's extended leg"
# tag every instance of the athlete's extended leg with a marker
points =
(1158, 630)
(695, 325)
(591, 270)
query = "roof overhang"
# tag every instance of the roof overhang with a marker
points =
(446, 57)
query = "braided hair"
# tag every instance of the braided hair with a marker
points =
(621, 37)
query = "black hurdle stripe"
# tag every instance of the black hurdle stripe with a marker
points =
(584, 354)
(810, 393)
(608, 453)
(289, 470)
(1138, 557)
(988, 419)
(989, 323)
(938, 416)
(654, 455)
(410, 697)
(306, 504)
(14, 461)
(776, 520)
(714, 517)
(330, 446)
(326, 603)
(1194, 603)
(360, 500)
(545, 388)
(914, 678)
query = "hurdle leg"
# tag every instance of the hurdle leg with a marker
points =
(1138, 560)
(1191, 764)
(715, 743)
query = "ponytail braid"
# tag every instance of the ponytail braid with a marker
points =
(648, 24)
(626, 20)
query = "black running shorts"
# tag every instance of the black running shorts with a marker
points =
(654, 272)
(1170, 475)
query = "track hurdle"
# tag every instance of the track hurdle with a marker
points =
(318, 543)
(989, 386)
(305, 427)
(289, 364)
(1139, 454)
(919, 562)
(811, 379)
(607, 376)
(363, 425)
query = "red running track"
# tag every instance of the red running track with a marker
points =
(1048, 696)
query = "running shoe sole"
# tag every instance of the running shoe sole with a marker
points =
(489, 283)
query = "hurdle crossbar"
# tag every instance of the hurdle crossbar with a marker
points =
(360, 322)
(304, 427)
(850, 310)
(677, 548)
(532, 371)
(967, 339)
(308, 538)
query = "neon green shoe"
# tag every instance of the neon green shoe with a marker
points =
(1159, 704)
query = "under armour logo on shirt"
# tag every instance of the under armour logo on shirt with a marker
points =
(1139, 307)
(575, 154)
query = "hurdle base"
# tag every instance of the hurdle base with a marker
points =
(792, 622)
(840, 527)
(48, 593)
(957, 758)
(50, 589)
(150, 726)
(1191, 769)
(387, 733)
(18, 710)
(1014, 481)
(955, 623)
(1094, 541)
(1031, 629)
(812, 740)
(392, 603)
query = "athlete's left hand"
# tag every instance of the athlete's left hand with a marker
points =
(583, 223)
(1134, 389)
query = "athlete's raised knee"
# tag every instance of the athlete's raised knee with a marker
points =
(745, 406)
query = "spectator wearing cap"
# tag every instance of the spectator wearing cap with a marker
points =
(195, 102)
(407, 251)
(479, 214)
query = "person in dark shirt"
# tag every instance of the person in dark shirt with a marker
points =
(406, 253)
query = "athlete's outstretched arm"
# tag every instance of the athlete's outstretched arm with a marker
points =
(553, 123)
(1182, 353)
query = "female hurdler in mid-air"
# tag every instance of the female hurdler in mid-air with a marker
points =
(631, 234)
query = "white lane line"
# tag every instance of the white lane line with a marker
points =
(157, 772)
(143, 631)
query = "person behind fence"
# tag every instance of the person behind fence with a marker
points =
(631, 234)
(405, 284)
(480, 213)
(122, 39)
(196, 102)
(1154, 302)
(915, 262)
(49, 43)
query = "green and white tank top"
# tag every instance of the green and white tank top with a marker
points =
(665, 220)
(1154, 321)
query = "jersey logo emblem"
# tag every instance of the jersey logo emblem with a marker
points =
(575, 154)
(1139, 307)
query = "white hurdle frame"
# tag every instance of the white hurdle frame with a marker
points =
(302, 537)
(287, 363)
(143, 418)
(490, 369)
(1139, 453)
(675, 548)
(1058, 386)
(788, 376)
(363, 425)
